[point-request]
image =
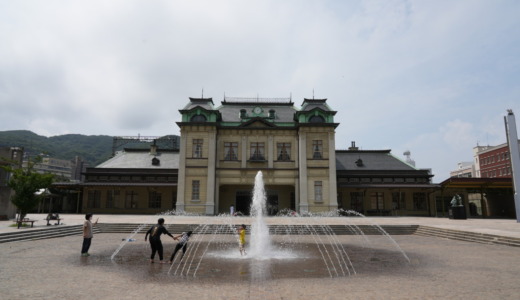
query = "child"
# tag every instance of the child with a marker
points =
(155, 239)
(183, 243)
(242, 239)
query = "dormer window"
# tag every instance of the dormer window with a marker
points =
(271, 114)
(198, 118)
(359, 162)
(243, 114)
(316, 119)
(155, 161)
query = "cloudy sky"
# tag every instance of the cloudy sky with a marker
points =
(433, 77)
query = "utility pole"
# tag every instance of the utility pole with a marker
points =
(514, 153)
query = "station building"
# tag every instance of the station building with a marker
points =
(223, 147)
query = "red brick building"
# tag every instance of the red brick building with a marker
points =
(493, 162)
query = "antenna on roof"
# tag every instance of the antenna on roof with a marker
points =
(202, 93)
(312, 94)
(290, 96)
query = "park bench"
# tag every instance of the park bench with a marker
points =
(53, 217)
(24, 221)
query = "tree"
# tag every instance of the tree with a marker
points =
(25, 183)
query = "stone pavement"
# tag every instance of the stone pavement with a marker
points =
(438, 267)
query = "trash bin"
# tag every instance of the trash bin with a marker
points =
(457, 212)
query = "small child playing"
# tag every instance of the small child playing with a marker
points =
(183, 243)
(242, 239)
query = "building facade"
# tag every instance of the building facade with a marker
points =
(222, 149)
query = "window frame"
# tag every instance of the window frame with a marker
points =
(197, 148)
(317, 149)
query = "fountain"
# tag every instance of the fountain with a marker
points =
(296, 246)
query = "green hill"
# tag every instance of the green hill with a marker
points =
(93, 149)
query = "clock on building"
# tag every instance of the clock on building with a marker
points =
(257, 110)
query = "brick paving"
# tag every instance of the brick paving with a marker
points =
(438, 267)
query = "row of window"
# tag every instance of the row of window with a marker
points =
(377, 201)
(138, 178)
(257, 150)
(131, 199)
(386, 180)
(491, 159)
(501, 172)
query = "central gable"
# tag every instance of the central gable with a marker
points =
(257, 123)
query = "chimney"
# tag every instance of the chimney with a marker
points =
(153, 149)
(353, 147)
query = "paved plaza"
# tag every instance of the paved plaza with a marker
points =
(436, 267)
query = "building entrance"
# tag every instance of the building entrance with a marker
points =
(243, 202)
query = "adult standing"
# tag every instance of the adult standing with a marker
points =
(155, 239)
(87, 234)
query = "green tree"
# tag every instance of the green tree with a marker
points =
(25, 183)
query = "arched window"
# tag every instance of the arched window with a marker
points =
(198, 118)
(316, 119)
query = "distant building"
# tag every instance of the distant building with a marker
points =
(63, 169)
(12, 156)
(493, 161)
(464, 169)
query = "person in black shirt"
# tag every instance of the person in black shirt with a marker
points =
(155, 239)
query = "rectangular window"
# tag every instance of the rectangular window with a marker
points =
(377, 200)
(197, 148)
(284, 151)
(419, 201)
(356, 201)
(257, 151)
(131, 199)
(112, 198)
(230, 151)
(318, 191)
(195, 190)
(398, 200)
(94, 199)
(154, 199)
(317, 149)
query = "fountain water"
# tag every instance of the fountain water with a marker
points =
(260, 239)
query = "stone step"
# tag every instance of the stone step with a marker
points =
(467, 236)
(35, 234)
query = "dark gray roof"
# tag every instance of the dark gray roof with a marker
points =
(142, 159)
(310, 104)
(231, 112)
(206, 103)
(372, 160)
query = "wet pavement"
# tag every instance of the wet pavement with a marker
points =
(347, 268)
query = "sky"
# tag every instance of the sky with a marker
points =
(432, 77)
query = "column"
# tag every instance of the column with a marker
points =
(303, 200)
(210, 189)
(333, 187)
(181, 180)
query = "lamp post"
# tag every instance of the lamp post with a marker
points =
(514, 153)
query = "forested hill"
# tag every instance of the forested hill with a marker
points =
(93, 149)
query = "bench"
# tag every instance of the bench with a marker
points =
(49, 220)
(24, 221)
